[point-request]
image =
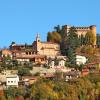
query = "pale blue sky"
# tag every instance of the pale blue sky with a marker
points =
(20, 20)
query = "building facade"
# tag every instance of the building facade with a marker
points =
(5, 53)
(12, 80)
(46, 48)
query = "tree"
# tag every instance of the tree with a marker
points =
(90, 38)
(56, 61)
(98, 40)
(72, 43)
(57, 28)
(8, 57)
(23, 71)
(73, 40)
(59, 75)
(82, 40)
(54, 37)
(87, 50)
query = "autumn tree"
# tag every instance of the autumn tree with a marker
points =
(90, 38)
(54, 37)
(98, 40)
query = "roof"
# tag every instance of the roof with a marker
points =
(5, 51)
(12, 76)
(85, 70)
(15, 51)
(49, 75)
(47, 42)
(29, 77)
(93, 63)
(50, 43)
(30, 56)
(72, 73)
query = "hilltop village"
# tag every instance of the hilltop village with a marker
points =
(69, 53)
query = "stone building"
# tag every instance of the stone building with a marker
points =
(82, 30)
(48, 49)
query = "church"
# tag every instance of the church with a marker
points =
(46, 48)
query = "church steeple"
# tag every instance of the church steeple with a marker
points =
(38, 38)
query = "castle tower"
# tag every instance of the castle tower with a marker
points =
(93, 30)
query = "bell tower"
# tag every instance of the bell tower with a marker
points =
(38, 38)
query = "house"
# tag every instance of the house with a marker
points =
(48, 75)
(61, 62)
(57, 61)
(72, 74)
(85, 72)
(25, 55)
(12, 80)
(6, 52)
(95, 65)
(28, 80)
(80, 59)
(4, 74)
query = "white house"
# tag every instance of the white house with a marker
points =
(12, 80)
(61, 62)
(80, 59)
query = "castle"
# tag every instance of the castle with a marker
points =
(82, 30)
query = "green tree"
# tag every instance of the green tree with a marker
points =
(23, 71)
(72, 43)
(73, 40)
(82, 40)
(57, 28)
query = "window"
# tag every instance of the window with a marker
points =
(26, 53)
(11, 81)
(8, 81)
(29, 53)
